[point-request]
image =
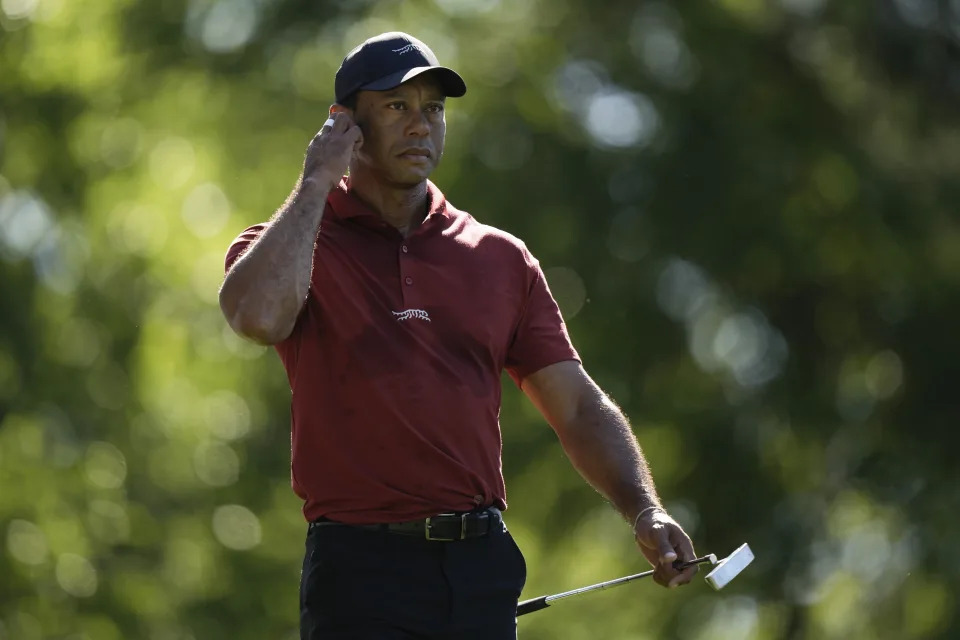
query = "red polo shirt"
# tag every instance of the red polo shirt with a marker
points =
(395, 360)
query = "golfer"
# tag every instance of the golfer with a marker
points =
(394, 313)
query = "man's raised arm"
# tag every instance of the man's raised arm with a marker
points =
(264, 289)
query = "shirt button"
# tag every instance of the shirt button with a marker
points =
(404, 248)
(478, 499)
(408, 280)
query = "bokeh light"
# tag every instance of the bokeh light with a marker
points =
(26, 542)
(76, 575)
(236, 527)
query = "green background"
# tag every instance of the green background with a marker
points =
(746, 210)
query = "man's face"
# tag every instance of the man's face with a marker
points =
(403, 130)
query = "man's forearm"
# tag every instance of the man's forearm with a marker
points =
(265, 289)
(600, 444)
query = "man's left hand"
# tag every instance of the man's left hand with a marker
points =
(664, 542)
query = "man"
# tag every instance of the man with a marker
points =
(394, 314)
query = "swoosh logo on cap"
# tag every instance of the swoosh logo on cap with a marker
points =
(406, 49)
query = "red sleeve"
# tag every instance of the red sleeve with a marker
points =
(286, 348)
(241, 244)
(541, 337)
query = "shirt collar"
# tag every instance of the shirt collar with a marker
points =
(345, 204)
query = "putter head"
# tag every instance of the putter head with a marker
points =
(730, 567)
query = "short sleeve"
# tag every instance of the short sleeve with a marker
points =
(541, 338)
(286, 348)
(241, 244)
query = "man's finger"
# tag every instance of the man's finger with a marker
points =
(343, 121)
(326, 127)
(682, 544)
(684, 576)
(664, 545)
(685, 553)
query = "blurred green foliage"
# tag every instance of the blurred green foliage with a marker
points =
(746, 209)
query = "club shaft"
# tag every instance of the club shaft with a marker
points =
(529, 606)
(600, 585)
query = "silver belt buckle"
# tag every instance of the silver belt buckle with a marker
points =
(427, 531)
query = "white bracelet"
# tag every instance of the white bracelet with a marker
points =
(643, 511)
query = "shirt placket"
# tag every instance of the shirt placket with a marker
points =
(411, 283)
(407, 282)
(410, 276)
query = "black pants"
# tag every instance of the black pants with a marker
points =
(377, 585)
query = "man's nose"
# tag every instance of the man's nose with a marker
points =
(419, 124)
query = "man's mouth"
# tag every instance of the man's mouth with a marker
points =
(415, 154)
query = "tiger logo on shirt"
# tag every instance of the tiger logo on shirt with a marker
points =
(411, 314)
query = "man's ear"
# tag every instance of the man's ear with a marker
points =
(339, 108)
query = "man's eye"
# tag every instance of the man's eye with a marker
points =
(396, 105)
(435, 108)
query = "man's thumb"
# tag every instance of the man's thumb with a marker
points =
(667, 554)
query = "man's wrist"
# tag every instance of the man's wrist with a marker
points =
(313, 191)
(318, 183)
(646, 511)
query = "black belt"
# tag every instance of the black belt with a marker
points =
(443, 527)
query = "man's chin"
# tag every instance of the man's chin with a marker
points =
(411, 177)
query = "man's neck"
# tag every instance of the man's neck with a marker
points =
(402, 207)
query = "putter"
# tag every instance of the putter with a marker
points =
(723, 572)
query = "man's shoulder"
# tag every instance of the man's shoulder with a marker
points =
(479, 233)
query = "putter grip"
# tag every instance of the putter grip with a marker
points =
(529, 606)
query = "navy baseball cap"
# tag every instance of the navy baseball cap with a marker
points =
(388, 60)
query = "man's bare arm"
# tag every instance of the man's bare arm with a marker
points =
(264, 290)
(595, 435)
(597, 438)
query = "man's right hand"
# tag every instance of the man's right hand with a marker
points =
(330, 151)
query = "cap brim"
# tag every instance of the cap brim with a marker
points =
(453, 85)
